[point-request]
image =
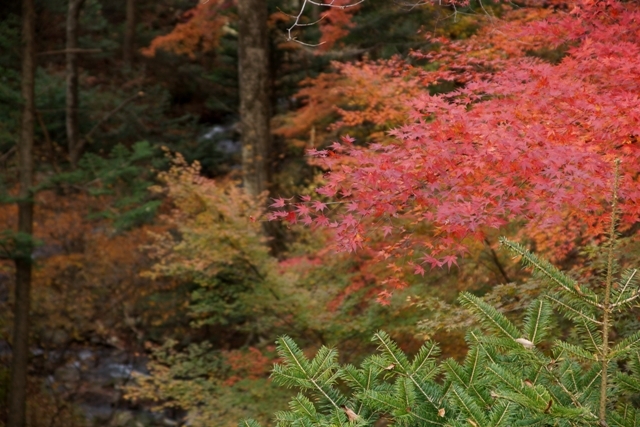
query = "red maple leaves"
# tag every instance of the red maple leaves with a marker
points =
(523, 139)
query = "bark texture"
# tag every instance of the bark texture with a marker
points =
(74, 141)
(255, 111)
(19, 363)
(128, 51)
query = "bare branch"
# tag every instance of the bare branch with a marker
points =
(8, 154)
(65, 51)
(47, 138)
(297, 23)
(112, 112)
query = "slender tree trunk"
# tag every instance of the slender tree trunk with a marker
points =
(18, 391)
(74, 140)
(254, 94)
(129, 34)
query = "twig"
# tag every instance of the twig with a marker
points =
(296, 22)
(65, 51)
(496, 261)
(47, 138)
(8, 154)
(604, 353)
(111, 113)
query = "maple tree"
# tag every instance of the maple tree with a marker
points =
(521, 139)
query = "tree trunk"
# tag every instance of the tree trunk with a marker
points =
(18, 390)
(254, 94)
(128, 52)
(74, 140)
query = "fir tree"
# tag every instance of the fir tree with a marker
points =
(511, 376)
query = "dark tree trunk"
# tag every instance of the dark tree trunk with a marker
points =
(128, 51)
(18, 390)
(74, 141)
(254, 94)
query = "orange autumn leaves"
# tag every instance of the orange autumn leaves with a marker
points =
(86, 280)
(199, 31)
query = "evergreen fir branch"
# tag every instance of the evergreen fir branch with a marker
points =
(472, 364)
(606, 312)
(380, 362)
(286, 418)
(571, 414)
(588, 379)
(560, 384)
(360, 379)
(571, 312)
(402, 364)
(427, 417)
(634, 364)
(625, 302)
(629, 280)
(549, 271)
(501, 413)
(539, 370)
(563, 376)
(627, 345)
(297, 367)
(627, 416)
(590, 336)
(467, 405)
(499, 343)
(475, 340)
(446, 389)
(293, 356)
(627, 382)
(338, 418)
(537, 321)
(354, 377)
(307, 423)
(249, 423)
(405, 392)
(303, 406)
(481, 394)
(282, 376)
(558, 394)
(533, 422)
(388, 402)
(588, 395)
(390, 349)
(329, 398)
(575, 350)
(489, 316)
(324, 364)
(423, 360)
(455, 372)
(531, 397)
(569, 374)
